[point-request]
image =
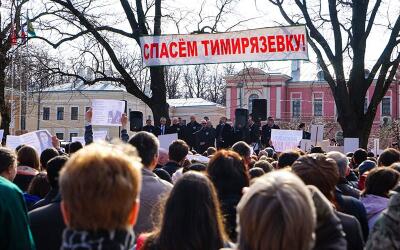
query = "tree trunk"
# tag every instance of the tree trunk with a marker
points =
(158, 102)
(4, 108)
(357, 128)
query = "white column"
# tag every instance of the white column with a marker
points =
(228, 103)
(266, 95)
(278, 102)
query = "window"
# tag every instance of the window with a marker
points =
(60, 113)
(317, 105)
(296, 108)
(60, 136)
(46, 113)
(365, 105)
(72, 135)
(74, 113)
(386, 106)
(251, 98)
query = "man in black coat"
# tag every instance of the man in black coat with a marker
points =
(306, 135)
(239, 133)
(163, 128)
(177, 128)
(47, 225)
(253, 135)
(190, 132)
(149, 127)
(266, 131)
(224, 134)
(205, 138)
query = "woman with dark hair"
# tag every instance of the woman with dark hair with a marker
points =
(28, 167)
(375, 196)
(228, 172)
(191, 218)
(38, 188)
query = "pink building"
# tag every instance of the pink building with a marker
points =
(295, 98)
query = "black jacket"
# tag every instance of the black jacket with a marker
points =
(347, 189)
(171, 167)
(253, 134)
(306, 135)
(224, 135)
(190, 133)
(166, 129)
(239, 134)
(51, 195)
(352, 206)
(205, 138)
(150, 129)
(178, 129)
(352, 229)
(266, 133)
(47, 225)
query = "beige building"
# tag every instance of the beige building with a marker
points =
(61, 109)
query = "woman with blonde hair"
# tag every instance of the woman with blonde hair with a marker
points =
(277, 212)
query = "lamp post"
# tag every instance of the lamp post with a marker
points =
(240, 86)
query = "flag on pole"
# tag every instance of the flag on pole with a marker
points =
(13, 35)
(31, 30)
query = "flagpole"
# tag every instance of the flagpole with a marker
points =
(12, 70)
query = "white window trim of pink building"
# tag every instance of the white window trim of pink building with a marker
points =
(252, 92)
(291, 104)
(322, 100)
(228, 102)
(388, 95)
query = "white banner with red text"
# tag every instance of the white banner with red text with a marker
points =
(266, 44)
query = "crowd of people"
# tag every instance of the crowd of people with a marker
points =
(132, 194)
(201, 136)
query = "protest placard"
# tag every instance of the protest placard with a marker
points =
(166, 140)
(305, 145)
(351, 144)
(100, 135)
(107, 112)
(40, 140)
(317, 134)
(283, 140)
(198, 158)
(265, 44)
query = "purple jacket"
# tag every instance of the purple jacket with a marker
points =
(374, 205)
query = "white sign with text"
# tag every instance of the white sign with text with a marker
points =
(283, 140)
(107, 112)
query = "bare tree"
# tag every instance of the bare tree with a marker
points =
(100, 31)
(350, 23)
(10, 26)
(173, 82)
(195, 81)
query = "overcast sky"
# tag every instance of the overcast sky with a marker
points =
(262, 14)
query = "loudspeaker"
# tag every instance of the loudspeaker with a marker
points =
(136, 120)
(259, 110)
(241, 116)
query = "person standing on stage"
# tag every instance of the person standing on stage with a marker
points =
(266, 131)
(149, 127)
(190, 133)
(224, 134)
(177, 128)
(253, 134)
(163, 128)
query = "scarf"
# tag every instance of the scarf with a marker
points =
(102, 239)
